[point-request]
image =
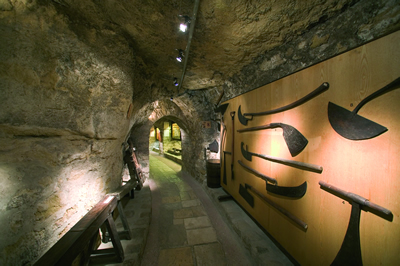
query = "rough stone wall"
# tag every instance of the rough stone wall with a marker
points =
(188, 111)
(356, 24)
(62, 122)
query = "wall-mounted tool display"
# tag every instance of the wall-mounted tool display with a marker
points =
(233, 144)
(300, 165)
(295, 141)
(352, 126)
(291, 192)
(350, 251)
(258, 174)
(242, 117)
(249, 198)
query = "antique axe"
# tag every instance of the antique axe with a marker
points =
(323, 87)
(350, 251)
(300, 165)
(295, 141)
(250, 200)
(291, 192)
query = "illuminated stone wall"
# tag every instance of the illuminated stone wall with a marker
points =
(62, 122)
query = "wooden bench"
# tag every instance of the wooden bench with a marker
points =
(84, 234)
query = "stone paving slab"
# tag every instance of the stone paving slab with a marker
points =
(209, 255)
(176, 256)
(183, 213)
(197, 222)
(201, 236)
(190, 203)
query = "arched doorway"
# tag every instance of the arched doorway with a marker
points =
(167, 137)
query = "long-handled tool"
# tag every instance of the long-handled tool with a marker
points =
(291, 192)
(306, 98)
(222, 147)
(295, 141)
(258, 174)
(352, 126)
(249, 199)
(300, 165)
(224, 180)
(350, 251)
(233, 144)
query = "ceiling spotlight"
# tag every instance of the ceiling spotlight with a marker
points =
(180, 55)
(184, 25)
(176, 82)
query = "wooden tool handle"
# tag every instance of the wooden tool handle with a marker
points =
(220, 97)
(264, 177)
(324, 86)
(395, 84)
(279, 208)
(272, 125)
(352, 197)
(296, 164)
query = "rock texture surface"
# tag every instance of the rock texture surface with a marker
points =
(70, 70)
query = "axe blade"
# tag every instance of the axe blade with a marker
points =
(243, 120)
(245, 153)
(295, 141)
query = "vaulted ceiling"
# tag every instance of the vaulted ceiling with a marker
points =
(228, 34)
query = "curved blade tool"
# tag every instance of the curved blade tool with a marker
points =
(295, 141)
(323, 87)
(352, 126)
(300, 165)
(292, 192)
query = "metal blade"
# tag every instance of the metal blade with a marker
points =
(222, 108)
(246, 195)
(295, 141)
(247, 155)
(243, 120)
(351, 125)
(350, 251)
(292, 192)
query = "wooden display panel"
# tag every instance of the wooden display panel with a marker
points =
(369, 168)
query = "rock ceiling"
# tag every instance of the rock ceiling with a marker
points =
(228, 34)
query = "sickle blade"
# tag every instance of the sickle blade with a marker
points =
(291, 192)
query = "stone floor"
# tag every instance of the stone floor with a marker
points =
(181, 222)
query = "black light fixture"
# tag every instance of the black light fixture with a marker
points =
(176, 82)
(180, 55)
(184, 25)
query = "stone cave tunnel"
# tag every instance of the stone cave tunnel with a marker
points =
(199, 132)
